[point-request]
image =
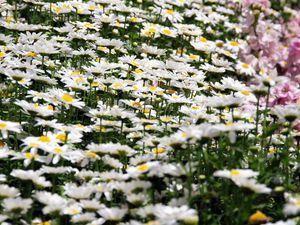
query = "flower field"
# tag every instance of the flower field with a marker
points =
(150, 112)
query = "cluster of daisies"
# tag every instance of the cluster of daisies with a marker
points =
(145, 112)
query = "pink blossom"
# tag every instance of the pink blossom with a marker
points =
(293, 62)
(294, 51)
(286, 93)
(264, 3)
(293, 28)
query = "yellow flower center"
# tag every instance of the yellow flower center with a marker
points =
(219, 44)
(235, 173)
(258, 217)
(101, 129)
(28, 155)
(101, 48)
(74, 211)
(91, 154)
(245, 92)
(147, 33)
(2, 54)
(31, 54)
(146, 110)
(50, 107)
(167, 32)
(67, 98)
(134, 19)
(245, 65)
(22, 81)
(3, 125)
(262, 70)
(191, 56)
(138, 71)
(166, 119)
(170, 11)
(228, 124)
(117, 85)
(159, 151)
(152, 29)
(136, 104)
(44, 138)
(143, 167)
(234, 43)
(80, 126)
(62, 137)
(152, 88)
(134, 87)
(76, 73)
(203, 39)
(88, 25)
(57, 150)
(149, 126)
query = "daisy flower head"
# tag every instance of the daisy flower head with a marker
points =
(6, 126)
(246, 69)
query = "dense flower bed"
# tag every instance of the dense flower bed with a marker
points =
(149, 112)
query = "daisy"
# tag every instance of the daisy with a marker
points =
(6, 126)
(8, 192)
(34, 176)
(28, 157)
(113, 214)
(286, 113)
(20, 205)
(53, 202)
(171, 15)
(236, 173)
(292, 207)
(233, 46)
(213, 69)
(244, 68)
(56, 152)
(66, 98)
(35, 108)
(168, 32)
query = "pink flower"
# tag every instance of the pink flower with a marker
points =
(294, 51)
(293, 62)
(293, 30)
(286, 93)
(264, 3)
